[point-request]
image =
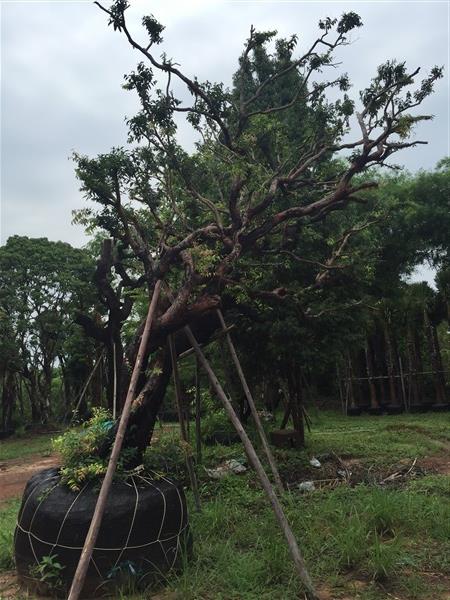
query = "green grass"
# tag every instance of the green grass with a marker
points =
(8, 516)
(379, 438)
(23, 446)
(365, 542)
(375, 534)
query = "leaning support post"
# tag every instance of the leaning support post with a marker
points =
(183, 428)
(253, 458)
(251, 403)
(198, 415)
(75, 410)
(89, 543)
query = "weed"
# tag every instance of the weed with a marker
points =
(48, 572)
(384, 557)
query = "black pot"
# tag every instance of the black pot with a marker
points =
(143, 534)
(224, 438)
(440, 407)
(5, 433)
(419, 408)
(394, 409)
(353, 411)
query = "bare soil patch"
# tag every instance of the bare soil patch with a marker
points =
(15, 473)
(439, 464)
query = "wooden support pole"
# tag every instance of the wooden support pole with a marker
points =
(89, 543)
(402, 380)
(198, 416)
(114, 414)
(86, 386)
(251, 403)
(183, 428)
(256, 463)
(216, 337)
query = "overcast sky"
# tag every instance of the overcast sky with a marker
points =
(62, 70)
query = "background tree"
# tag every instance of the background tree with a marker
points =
(42, 283)
(194, 220)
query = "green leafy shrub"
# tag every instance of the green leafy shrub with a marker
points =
(216, 421)
(48, 571)
(79, 450)
(167, 456)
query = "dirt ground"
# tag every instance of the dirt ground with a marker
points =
(15, 473)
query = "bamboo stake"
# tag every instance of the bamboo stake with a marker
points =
(86, 386)
(198, 408)
(254, 460)
(89, 543)
(251, 403)
(183, 429)
(214, 338)
(115, 383)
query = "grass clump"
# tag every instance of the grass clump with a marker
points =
(22, 446)
(8, 517)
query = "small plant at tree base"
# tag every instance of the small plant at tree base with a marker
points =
(79, 449)
(48, 571)
(167, 455)
(216, 421)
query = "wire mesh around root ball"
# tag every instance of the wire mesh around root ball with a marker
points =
(144, 533)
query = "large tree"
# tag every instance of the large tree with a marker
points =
(42, 283)
(274, 156)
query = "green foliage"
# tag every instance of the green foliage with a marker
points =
(167, 455)
(216, 421)
(79, 451)
(20, 446)
(48, 571)
(43, 284)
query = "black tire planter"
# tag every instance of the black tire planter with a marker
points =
(394, 409)
(354, 411)
(419, 408)
(440, 407)
(6, 433)
(224, 438)
(375, 410)
(144, 532)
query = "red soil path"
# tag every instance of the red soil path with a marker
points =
(16, 472)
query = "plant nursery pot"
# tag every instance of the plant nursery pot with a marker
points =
(375, 410)
(419, 408)
(5, 433)
(354, 411)
(440, 407)
(285, 438)
(143, 535)
(224, 438)
(394, 409)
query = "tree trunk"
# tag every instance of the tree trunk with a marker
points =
(390, 363)
(413, 367)
(7, 399)
(370, 374)
(147, 404)
(436, 360)
(296, 403)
